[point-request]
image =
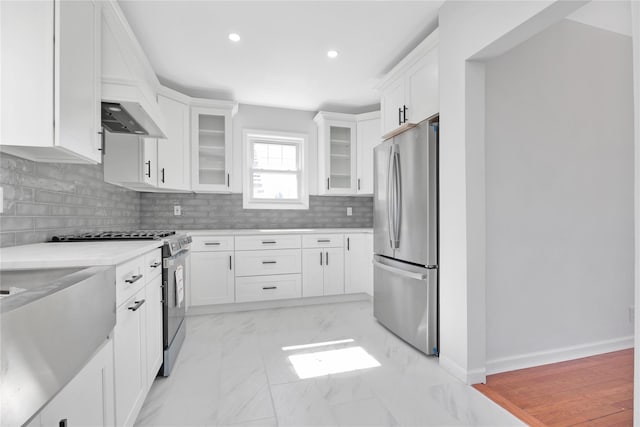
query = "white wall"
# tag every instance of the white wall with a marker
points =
(275, 119)
(559, 197)
(471, 30)
(635, 25)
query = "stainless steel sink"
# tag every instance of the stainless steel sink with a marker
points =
(52, 321)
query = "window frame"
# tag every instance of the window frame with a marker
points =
(249, 137)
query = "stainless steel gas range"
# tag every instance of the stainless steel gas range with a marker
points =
(175, 250)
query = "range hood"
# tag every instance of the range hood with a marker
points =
(126, 108)
(129, 118)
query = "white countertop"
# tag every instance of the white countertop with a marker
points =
(74, 254)
(240, 232)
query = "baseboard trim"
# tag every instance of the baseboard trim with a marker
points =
(557, 355)
(261, 305)
(473, 376)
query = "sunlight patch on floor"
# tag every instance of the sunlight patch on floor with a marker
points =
(320, 363)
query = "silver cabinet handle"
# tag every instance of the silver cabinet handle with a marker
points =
(212, 243)
(408, 274)
(156, 264)
(324, 240)
(269, 262)
(320, 258)
(268, 242)
(269, 287)
(134, 278)
(348, 244)
(327, 256)
(137, 305)
(230, 266)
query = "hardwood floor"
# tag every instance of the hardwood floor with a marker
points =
(594, 391)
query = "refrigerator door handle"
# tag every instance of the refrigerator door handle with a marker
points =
(400, 272)
(398, 200)
(389, 197)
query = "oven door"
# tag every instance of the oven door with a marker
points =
(173, 294)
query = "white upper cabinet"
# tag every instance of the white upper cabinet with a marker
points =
(173, 152)
(131, 161)
(368, 136)
(50, 56)
(410, 93)
(345, 152)
(336, 153)
(212, 146)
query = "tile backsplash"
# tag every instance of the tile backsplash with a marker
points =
(224, 211)
(43, 199)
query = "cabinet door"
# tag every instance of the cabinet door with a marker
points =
(341, 158)
(130, 359)
(422, 88)
(391, 102)
(212, 278)
(88, 399)
(312, 272)
(173, 152)
(211, 148)
(77, 70)
(358, 265)
(333, 271)
(149, 148)
(368, 136)
(154, 327)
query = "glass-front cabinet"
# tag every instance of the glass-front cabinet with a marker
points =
(336, 153)
(211, 148)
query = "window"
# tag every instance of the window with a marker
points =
(274, 172)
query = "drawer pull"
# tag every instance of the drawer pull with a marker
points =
(156, 264)
(268, 242)
(137, 305)
(212, 243)
(269, 262)
(324, 240)
(134, 278)
(327, 254)
(266, 288)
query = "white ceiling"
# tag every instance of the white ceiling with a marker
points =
(608, 15)
(281, 60)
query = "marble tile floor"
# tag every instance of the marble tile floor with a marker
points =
(232, 370)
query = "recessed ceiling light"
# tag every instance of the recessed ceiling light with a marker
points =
(332, 53)
(234, 37)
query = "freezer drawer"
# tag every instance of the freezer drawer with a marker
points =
(405, 301)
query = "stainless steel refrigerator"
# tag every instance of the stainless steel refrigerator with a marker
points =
(405, 297)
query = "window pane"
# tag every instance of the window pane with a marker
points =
(275, 185)
(275, 156)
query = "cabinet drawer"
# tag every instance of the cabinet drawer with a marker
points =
(322, 241)
(130, 278)
(152, 264)
(211, 243)
(260, 263)
(281, 241)
(268, 287)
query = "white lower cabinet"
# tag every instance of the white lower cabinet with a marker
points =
(88, 399)
(137, 337)
(154, 327)
(322, 272)
(130, 358)
(212, 278)
(358, 266)
(249, 268)
(262, 288)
